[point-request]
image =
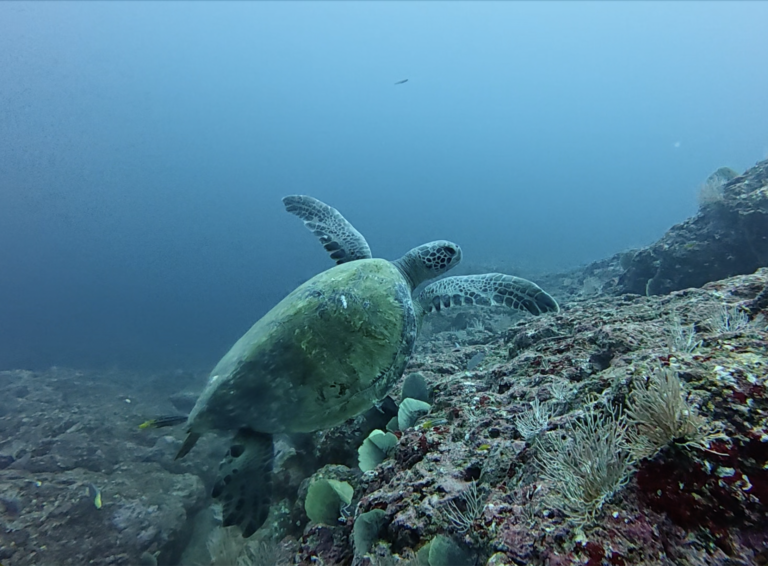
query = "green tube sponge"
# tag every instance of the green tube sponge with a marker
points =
(409, 412)
(375, 449)
(366, 530)
(415, 387)
(325, 498)
(443, 551)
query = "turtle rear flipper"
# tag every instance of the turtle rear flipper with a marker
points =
(338, 236)
(490, 289)
(244, 482)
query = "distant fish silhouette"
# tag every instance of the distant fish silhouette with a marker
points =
(401, 82)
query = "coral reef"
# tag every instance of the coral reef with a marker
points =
(676, 385)
(697, 496)
(631, 428)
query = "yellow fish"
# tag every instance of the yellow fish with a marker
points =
(161, 422)
(95, 494)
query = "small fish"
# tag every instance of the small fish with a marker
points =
(95, 494)
(401, 82)
(475, 361)
(432, 423)
(161, 422)
(484, 447)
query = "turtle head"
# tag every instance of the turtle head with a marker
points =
(428, 261)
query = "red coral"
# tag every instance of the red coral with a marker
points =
(595, 553)
(408, 454)
(732, 493)
(689, 495)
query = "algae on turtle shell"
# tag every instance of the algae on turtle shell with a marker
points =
(329, 350)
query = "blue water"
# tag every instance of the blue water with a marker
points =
(144, 149)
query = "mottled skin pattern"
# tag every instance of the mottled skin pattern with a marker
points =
(488, 289)
(324, 354)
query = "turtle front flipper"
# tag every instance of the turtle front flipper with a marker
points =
(490, 289)
(338, 236)
(244, 482)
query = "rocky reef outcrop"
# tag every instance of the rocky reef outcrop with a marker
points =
(64, 433)
(728, 236)
(481, 471)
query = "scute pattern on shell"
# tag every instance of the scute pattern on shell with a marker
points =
(324, 354)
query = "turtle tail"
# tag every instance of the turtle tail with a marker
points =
(244, 482)
(189, 443)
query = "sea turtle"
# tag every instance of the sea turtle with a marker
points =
(329, 350)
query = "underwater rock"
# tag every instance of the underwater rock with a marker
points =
(727, 237)
(77, 429)
(144, 509)
(594, 349)
(183, 401)
(163, 451)
(5, 461)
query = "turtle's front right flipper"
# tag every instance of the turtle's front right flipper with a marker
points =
(338, 236)
(489, 289)
(244, 482)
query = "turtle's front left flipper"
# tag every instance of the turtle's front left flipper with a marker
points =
(244, 482)
(489, 289)
(338, 236)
